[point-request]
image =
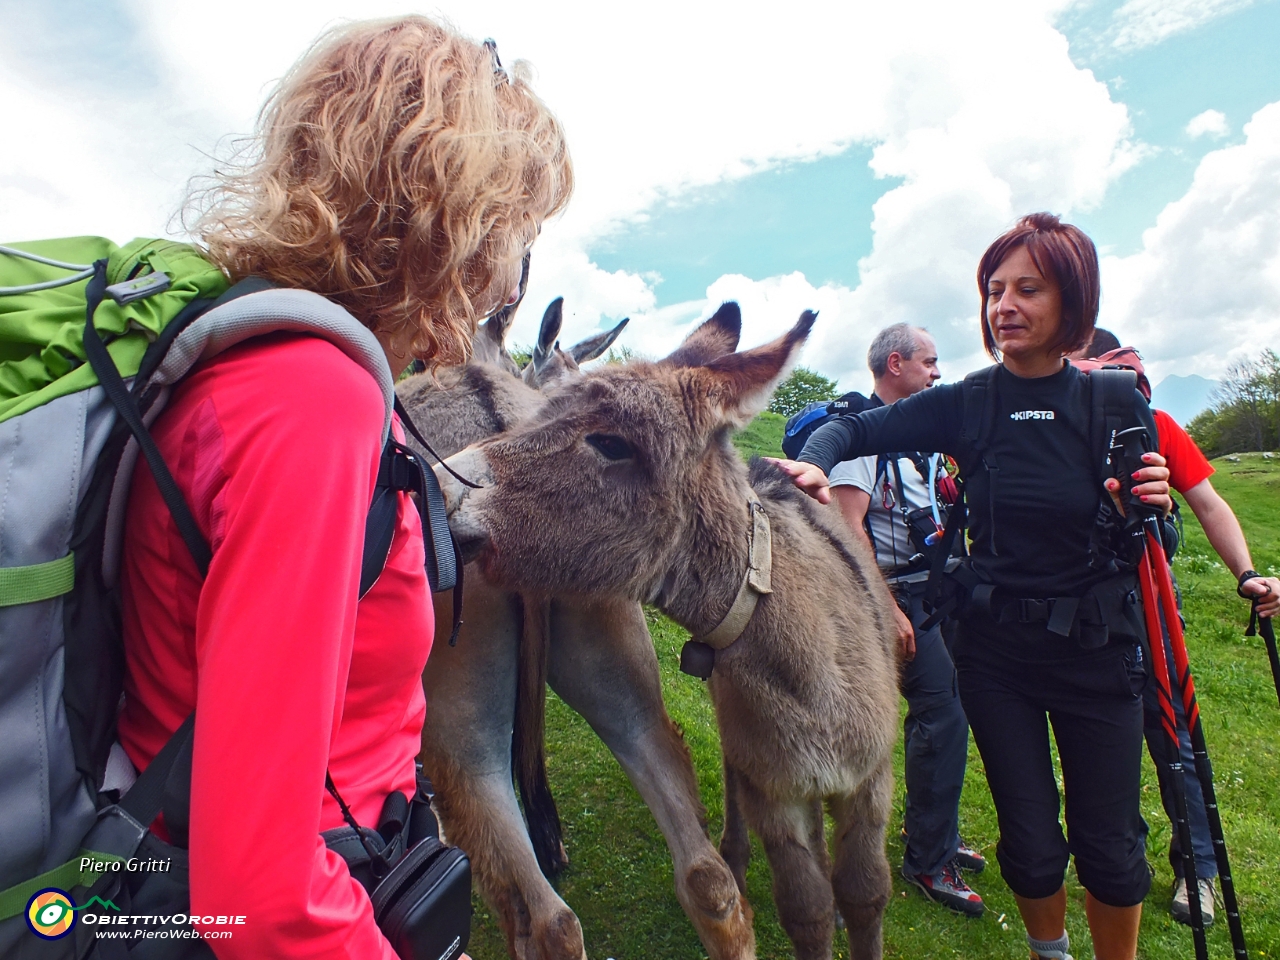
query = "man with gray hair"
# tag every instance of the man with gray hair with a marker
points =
(883, 498)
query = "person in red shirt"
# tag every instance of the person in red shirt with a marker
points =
(403, 174)
(1189, 474)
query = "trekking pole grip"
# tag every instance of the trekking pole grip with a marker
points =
(1126, 459)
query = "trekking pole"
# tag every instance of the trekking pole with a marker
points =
(1264, 626)
(1162, 672)
(1157, 580)
(1204, 769)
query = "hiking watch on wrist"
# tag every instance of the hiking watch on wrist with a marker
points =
(1245, 577)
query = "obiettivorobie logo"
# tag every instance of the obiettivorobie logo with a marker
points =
(51, 913)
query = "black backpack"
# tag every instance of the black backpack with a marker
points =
(1111, 410)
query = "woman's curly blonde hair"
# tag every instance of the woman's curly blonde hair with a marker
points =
(398, 170)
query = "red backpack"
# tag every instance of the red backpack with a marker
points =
(1121, 358)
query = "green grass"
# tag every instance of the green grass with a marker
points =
(762, 436)
(620, 878)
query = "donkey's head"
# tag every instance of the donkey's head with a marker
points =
(551, 364)
(607, 488)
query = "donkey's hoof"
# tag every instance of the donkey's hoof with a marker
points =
(720, 912)
(559, 938)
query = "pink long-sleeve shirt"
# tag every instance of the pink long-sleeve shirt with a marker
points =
(275, 444)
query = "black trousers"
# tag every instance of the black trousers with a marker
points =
(1017, 681)
(936, 738)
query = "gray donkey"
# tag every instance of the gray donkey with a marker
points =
(595, 652)
(625, 485)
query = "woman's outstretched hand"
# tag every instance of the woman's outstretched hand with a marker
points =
(807, 477)
(1151, 484)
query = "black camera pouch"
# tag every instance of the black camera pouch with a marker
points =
(423, 906)
(420, 887)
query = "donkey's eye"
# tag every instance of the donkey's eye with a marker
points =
(612, 447)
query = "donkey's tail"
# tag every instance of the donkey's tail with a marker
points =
(528, 739)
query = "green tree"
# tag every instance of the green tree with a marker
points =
(803, 386)
(1246, 410)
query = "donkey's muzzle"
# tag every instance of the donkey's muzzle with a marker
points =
(468, 531)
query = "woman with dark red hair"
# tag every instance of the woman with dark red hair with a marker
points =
(1050, 624)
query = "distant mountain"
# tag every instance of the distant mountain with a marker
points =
(1182, 397)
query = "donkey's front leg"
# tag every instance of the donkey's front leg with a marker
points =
(735, 843)
(861, 879)
(466, 750)
(801, 876)
(603, 665)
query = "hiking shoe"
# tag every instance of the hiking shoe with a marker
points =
(966, 857)
(1181, 906)
(970, 859)
(948, 888)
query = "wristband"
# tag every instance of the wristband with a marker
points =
(1247, 575)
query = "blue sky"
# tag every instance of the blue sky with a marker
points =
(815, 216)
(1229, 64)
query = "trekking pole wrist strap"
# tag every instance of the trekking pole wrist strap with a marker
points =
(1243, 579)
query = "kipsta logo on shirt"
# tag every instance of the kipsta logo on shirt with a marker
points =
(1031, 415)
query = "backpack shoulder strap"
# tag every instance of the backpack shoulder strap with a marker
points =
(250, 308)
(1111, 397)
(979, 392)
(921, 462)
(1111, 409)
(276, 310)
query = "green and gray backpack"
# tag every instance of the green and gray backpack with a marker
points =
(93, 338)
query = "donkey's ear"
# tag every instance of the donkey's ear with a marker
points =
(593, 347)
(740, 385)
(712, 338)
(547, 333)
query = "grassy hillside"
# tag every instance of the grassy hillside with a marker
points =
(763, 436)
(620, 878)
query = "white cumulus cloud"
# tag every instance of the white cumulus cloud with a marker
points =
(1205, 288)
(1144, 23)
(1212, 123)
(973, 152)
(656, 102)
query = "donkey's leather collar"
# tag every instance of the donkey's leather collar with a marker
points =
(698, 656)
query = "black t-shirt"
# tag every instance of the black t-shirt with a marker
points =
(1031, 533)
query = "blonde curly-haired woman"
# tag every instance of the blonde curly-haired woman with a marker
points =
(399, 171)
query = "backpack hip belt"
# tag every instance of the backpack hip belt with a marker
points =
(1108, 607)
